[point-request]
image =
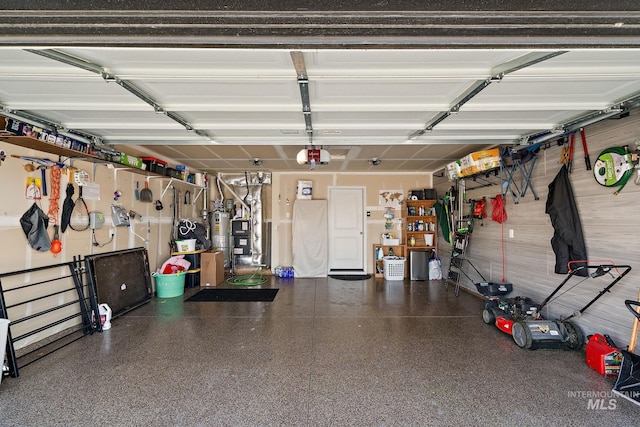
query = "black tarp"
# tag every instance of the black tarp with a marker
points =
(568, 240)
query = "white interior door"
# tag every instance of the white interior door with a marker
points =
(346, 230)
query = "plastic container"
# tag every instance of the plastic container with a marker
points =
(602, 357)
(105, 316)
(155, 165)
(170, 285)
(428, 239)
(4, 330)
(393, 268)
(188, 245)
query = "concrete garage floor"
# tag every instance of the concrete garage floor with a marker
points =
(325, 353)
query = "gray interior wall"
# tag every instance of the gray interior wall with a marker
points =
(609, 223)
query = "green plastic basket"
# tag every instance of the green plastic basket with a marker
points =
(170, 285)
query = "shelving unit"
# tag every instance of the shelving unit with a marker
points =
(419, 224)
(180, 183)
(192, 279)
(36, 144)
(45, 147)
(398, 250)
(419, 221)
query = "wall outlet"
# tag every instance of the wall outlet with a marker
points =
(511, 233)
(112, 232)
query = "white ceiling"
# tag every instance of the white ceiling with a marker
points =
(245, 104)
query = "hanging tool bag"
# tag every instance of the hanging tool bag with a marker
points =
(194, 230)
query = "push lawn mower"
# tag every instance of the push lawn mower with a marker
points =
(522, 319)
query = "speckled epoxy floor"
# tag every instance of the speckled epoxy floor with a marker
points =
(324, 353)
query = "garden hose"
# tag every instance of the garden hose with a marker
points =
(614, 166)
(253, 279)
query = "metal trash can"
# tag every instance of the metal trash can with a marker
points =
(419, 265)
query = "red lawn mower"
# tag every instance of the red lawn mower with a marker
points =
(521, 318)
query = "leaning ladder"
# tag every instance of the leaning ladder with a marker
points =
(459, 244)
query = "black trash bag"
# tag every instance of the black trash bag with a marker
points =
(194, 230)
(67, 208)
(34, 223)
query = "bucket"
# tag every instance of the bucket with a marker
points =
(170, 285)
(428, 239)
(105, 316)
(4, 330)
(188, 245)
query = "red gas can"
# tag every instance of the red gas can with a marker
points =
(602, 357)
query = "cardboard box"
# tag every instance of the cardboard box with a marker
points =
(454, 170)
(480, 161)
(212, 268)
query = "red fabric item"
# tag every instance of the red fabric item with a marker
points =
(479, 209)
(172, 268)
(498, 214)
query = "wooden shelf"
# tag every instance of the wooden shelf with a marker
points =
(198, 251)
(398, 250)
(45, 147)
(36, 144)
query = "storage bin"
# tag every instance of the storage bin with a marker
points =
(173, 173)
(155, 165)
(170, 285)
(188, 245)
(393, 267)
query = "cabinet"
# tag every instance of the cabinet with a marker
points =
(420, 224)
(398, 250)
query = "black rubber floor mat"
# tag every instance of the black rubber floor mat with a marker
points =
(241, 294)
(350, 276)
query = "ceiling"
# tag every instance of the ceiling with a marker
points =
(217, 109)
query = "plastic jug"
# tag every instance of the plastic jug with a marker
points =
(105, 316)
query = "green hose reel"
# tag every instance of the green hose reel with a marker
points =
(613, 167)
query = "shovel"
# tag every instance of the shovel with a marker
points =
(146, 195)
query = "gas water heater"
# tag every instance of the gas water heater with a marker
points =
(220, 234)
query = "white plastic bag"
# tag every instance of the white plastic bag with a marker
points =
(435, 269)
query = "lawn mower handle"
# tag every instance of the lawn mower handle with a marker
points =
(606, 268)
(629, 303)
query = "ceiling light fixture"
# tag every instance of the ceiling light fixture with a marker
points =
(256, 162)
(375, 161)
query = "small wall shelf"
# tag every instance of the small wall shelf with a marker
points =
(398, 250)
(36, 144)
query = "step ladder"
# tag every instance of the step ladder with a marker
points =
(459, 244)
(457, 260)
